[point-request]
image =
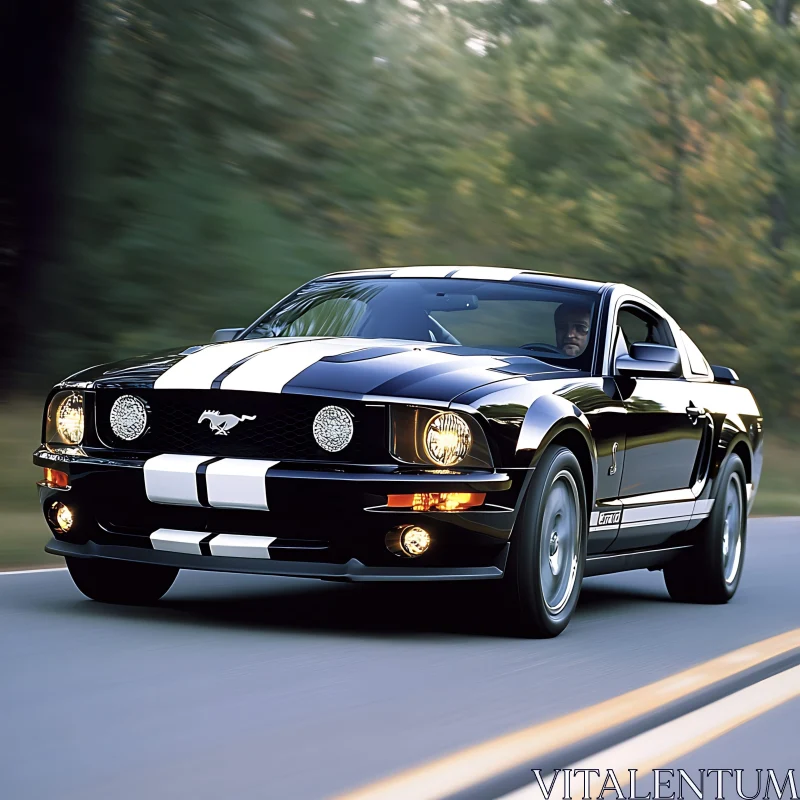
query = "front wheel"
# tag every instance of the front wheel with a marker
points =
(548, 547)
(710, 571)
(123, 582)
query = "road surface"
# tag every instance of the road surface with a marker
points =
(257, 687)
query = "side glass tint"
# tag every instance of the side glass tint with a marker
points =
(639, 325)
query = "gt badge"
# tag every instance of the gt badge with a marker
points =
(222, 423)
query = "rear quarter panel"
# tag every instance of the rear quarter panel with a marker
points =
(738, 425)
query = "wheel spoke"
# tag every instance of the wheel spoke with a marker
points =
(732, 529)
(559, 542)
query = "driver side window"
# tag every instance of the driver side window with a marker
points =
(640, 325)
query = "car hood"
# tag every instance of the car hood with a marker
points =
(335, 367)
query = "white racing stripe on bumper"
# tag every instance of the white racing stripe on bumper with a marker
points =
(175, 541)
(271, 371)
(230, 482)
(220, 544)
(238, 546)
(198, 370)
(238, 483)
(171, 479)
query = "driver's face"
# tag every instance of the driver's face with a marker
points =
(572, 333)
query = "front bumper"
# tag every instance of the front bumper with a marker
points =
(353, 570)
(322, 522)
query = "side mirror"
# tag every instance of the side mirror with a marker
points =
(226, 334)
(650, 361)
(724, 374)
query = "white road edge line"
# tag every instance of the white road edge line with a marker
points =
(660, 746)
(473, 765)
(31, 571)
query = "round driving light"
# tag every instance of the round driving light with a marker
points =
(409, 541)
(415, 541)
(447, 439)
(128, 417)
(333, 428)
(69, 419)
(63, 516)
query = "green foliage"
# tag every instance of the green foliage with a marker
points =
(228, 151)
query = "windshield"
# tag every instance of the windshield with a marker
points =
(556, 325)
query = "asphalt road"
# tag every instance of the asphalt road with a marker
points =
(254, 687)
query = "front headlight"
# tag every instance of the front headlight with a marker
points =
(447, 439)
(65, 419)
(437, 438)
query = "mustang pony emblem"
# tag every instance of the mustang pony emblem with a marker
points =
(222, 423)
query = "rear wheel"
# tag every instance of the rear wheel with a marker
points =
(548, 547)
(122, 582)
(710, 571)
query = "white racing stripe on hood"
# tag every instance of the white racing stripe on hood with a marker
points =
(198, 370)
(271, 371)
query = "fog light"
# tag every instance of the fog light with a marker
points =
(410, 540)
(62, 516)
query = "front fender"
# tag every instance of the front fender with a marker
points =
(551, 417)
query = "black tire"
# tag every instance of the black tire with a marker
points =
(710, 572)
(524, 588)
(123, 582)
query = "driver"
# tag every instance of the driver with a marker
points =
(572, 321)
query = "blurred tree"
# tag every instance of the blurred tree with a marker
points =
(230, 150)
(39, 41)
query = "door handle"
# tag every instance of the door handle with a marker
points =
(612, 470)
(694, 413)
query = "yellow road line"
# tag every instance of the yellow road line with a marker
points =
(659, 747)
(481, 762)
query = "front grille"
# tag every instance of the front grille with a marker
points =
(281, 430)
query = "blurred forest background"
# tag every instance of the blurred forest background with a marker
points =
(223, 151)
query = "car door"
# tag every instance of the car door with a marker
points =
(662, 438)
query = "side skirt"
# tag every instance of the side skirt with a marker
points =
(608, 563)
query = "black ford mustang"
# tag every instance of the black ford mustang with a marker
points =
(409, 424)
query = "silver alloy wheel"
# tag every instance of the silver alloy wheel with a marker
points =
(732, 529)
(559, 544)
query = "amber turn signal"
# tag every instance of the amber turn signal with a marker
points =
(437, 501)
(55, 479)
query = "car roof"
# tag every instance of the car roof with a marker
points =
(472, 273)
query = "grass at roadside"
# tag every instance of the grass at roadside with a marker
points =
(23, 531)
(779, 491)
(23, 535)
